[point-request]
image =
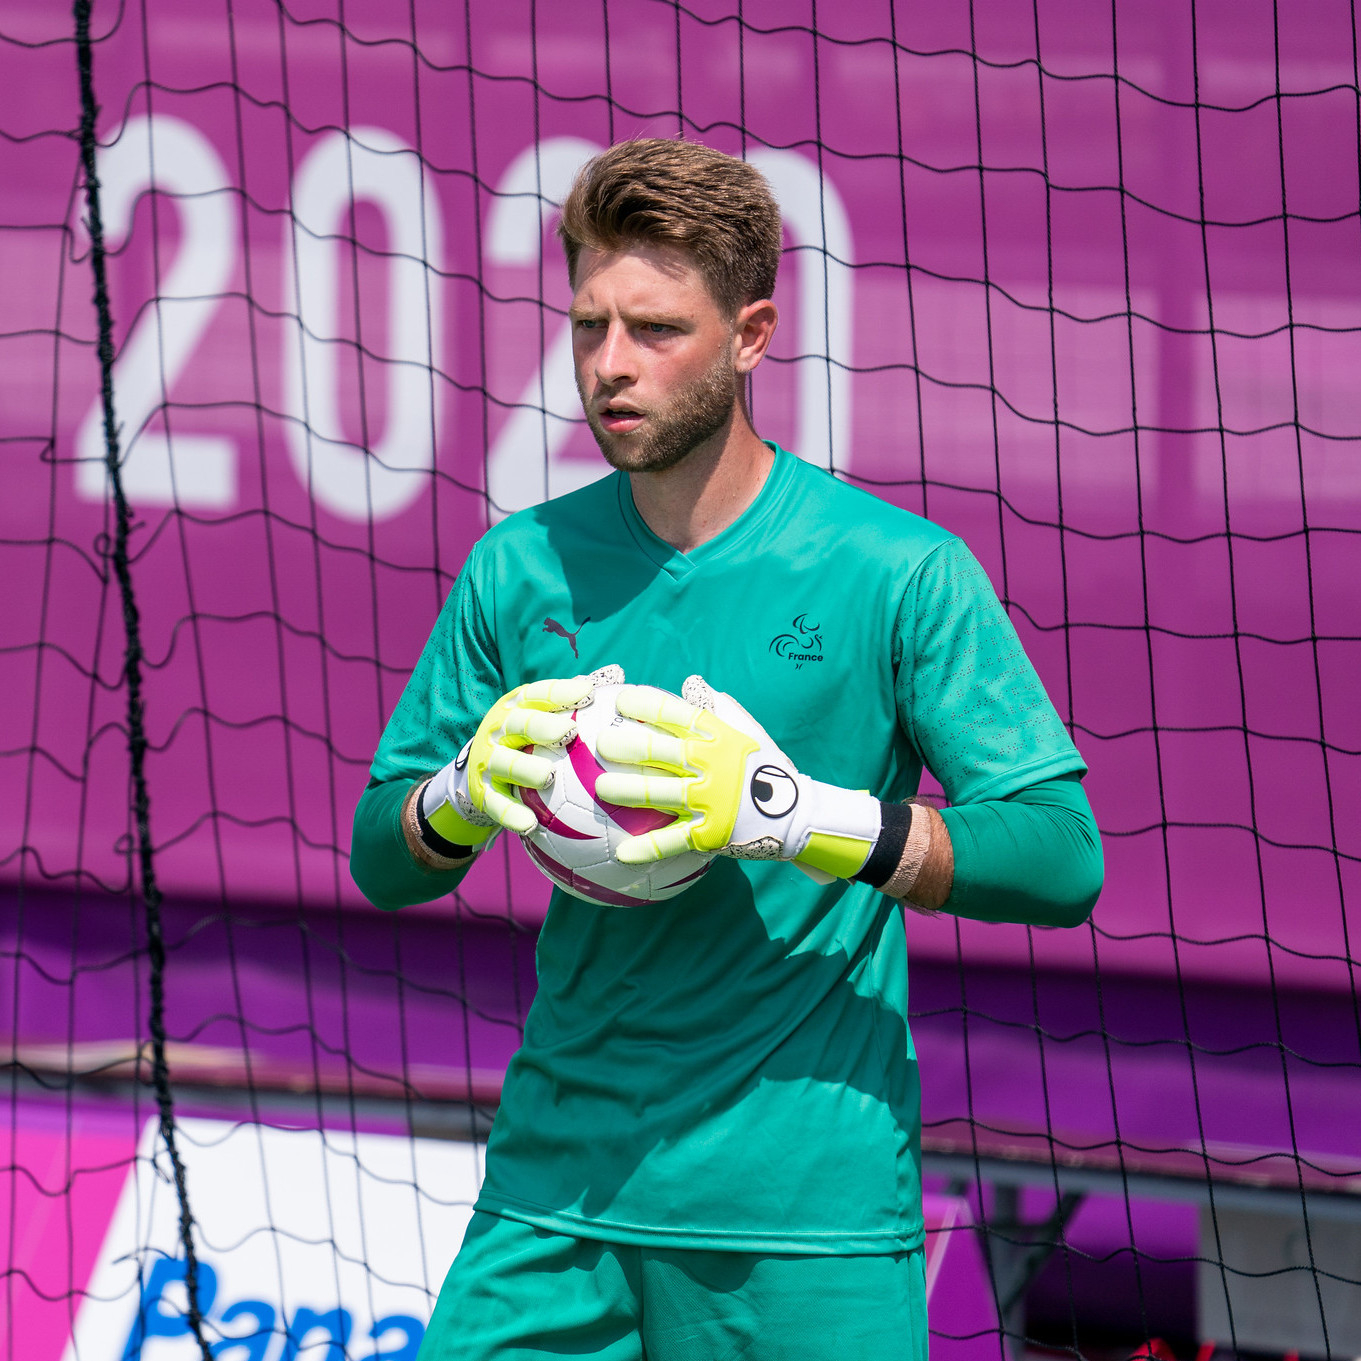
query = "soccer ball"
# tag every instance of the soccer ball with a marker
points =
(578, 832)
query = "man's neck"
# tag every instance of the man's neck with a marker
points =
(703, 494)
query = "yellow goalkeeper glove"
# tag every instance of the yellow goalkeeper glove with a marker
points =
(734, 792)
(476, 794)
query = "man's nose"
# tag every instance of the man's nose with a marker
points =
(615, 360)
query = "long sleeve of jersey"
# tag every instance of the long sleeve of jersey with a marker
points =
(1032, 857)
(1025, 843)
(456, 680)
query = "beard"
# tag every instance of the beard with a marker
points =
(693, 415)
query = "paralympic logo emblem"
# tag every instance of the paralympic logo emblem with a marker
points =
(804, 644)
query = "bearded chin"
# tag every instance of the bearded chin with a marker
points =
(693, 416)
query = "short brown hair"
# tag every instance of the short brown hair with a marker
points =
(661, 192)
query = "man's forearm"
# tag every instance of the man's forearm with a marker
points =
(1034, 857)
(931, 885)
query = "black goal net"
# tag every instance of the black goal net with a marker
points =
(282, 332)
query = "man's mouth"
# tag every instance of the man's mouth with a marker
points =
(619, 418)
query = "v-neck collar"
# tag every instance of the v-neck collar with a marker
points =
(677, 564)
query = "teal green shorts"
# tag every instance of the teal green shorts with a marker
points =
(516, 1292)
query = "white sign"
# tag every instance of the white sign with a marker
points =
(312, 1244)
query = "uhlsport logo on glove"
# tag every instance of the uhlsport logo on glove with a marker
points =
(774, 791)
(803, 645)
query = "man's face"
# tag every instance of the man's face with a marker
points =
(654, 353)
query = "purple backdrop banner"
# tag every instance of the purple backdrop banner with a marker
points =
(1108, 336)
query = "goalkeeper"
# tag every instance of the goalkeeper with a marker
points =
(708, 1144)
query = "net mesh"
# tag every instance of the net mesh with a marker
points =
(1079, 282)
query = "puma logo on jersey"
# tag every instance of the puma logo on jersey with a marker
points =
(552, 626)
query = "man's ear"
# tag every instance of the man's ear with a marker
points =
(753, 329)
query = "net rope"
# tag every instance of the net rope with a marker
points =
(132, 674)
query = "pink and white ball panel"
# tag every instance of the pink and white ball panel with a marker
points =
(578, 832)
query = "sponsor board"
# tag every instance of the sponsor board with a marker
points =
(317, 1243)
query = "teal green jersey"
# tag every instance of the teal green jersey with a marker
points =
(733, 1067)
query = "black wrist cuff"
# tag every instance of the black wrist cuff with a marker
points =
(448, 849)
(887, 854)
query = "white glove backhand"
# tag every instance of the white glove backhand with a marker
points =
(734, 792)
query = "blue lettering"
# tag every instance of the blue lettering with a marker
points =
(413, 1330)
(152, 1320)
(336, 1323)
(322, 1335)
(255, 1343)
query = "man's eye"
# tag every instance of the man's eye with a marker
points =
(587, 323)
(657, 327)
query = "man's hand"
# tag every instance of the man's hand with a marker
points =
(478, 792)
(734, 792)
